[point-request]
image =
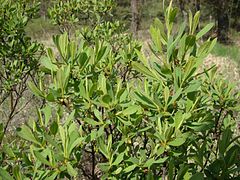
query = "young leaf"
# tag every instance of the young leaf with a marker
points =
(119, 159)
(41, 158)
(71, 171)
(47, 113)
(26, 133)
(130, 168)
(35, 90)
(130, 110)
(177, 142)
(204, 30)
(143, 69)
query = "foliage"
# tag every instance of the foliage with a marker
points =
(67, 14)
(117, 114)
(18, 55)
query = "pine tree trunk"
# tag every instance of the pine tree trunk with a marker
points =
(222, 21)
(198, 5)
(135, 17)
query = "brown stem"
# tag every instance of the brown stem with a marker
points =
(11, 115)
(93, 161)
(215, 137)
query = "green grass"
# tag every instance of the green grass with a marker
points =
(40, 28)
(231, 51)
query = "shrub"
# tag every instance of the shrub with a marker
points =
(18, 56)
(69, 14)
(164, 118)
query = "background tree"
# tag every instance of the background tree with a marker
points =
(223, 21)
(135, 23)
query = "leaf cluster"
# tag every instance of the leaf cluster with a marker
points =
(118, 114)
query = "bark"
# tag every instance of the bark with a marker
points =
(198, 5)
(135, 17)
(222, 21)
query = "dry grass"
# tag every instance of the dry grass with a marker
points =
(226, 67)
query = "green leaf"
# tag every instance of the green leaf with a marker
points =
(41, 158)
(183, 170)
(104, 166)
(177, 142)
(51, 57)
(161, 160)
(47, 113)
(26, 160)
(149, 163)
(54, 128)
(71, 170)
(172, 15)
(130, 110)
(83, 60)
(119, 159)
(190, 40)
(118, 171)
(103, 147)
(145, 100)
(8, 151)
(35, 90)
(195, 21)
(62, 135)
(190, 17)
(179, 119)
(92, 122)
(102, 83)
(171, 169)
(152, 161)
(62, 77)
(102, 53)
(61, 41)
(166, 94)
(46, 62)
(130, 168)
(53, 176)
(5, 175)
(76, 143)
(97, 114)
(26, 133)
(142, 57)
(175, 96)
(52, 141)
(17, 173)
(50, 97)
(109, 145)
(231, 156)
(156, 38)
(106, 99)
(207, 28)
(143, 69)
(225, 140)
(197, 176)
